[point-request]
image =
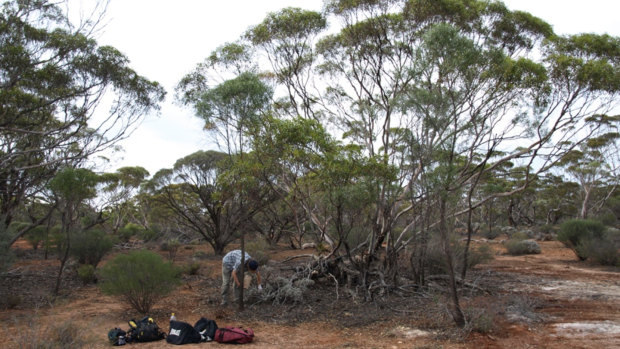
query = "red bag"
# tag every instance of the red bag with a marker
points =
(236, 335)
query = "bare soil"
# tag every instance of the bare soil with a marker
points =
(550, 300)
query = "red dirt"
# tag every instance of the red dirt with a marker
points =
(577, 306)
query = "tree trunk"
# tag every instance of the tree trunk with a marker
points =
(242, 276)
(584, 205)
(457, 313)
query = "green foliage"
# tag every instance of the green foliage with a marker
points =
(86, 273)
(140, 278)
(35, 236)
(288, 23)
(90, 246)
(235, 103)
(259, 250)
(590, 240)
(519, 236)
(607, 218)
(518, 247)
(171, 246)
(147, 235)
(74, 184)
(490, 233)
(191, 268)
(573, 232)
(6, 252)
(600, 250)
(436, 261)
(128, 231)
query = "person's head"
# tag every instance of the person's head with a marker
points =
(252, 265)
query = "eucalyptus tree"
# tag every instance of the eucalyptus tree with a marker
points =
(595, 165)
(193, 191)
(232, 109)
(71, 187)
(477, 85)
(288, 38)
(55, 82)
(118, 191)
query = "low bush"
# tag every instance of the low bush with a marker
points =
(147, 235)
(200, 255)
(128, 231)
(141, 278)
(90, 246)
(86, 273)
(259, 250)
(282, 291)
(36, 236)
(490, 233)
(516, 247)
(172, 247)
(578, 234)
(602, 251)
(63, 335)
(191, 268)
(6, 252)
(435, 259)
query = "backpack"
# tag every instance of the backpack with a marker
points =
(182, 333)
(145, 330)
(236, 335)
(116, 336)
(206, 328)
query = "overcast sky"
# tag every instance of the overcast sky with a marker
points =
(165, 39)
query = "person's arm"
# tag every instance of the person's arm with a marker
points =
(234, 275)
(258, 280)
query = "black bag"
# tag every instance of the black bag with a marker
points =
(117, 336)
(182, 333)
(145, 330)
(206, 328)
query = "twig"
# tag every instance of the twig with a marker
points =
(299, 256)
(336, 282)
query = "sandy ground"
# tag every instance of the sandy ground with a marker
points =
(577, 306)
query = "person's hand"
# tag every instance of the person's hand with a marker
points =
(260, 287)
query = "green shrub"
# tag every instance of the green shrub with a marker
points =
(546, 229)
(140, 278)
(259, 250)
(435, 258)
(35, 236)
(172, 247)
(86, 273)
(128, 231)
(60, 335)
(607, 218)
(516, 247)
(576, 232)
(90, 246)
(6, 252)
(148, 235)
(519, 236)
(191, 268)
(201, 255)
(490, 233)
(600, 250)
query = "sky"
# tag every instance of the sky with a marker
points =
(166, 39)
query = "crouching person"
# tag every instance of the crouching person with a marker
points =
(231, 266)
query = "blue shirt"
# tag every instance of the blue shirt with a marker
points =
(232, 260)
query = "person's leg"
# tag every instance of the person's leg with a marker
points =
(236, 292)
(225, 283)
